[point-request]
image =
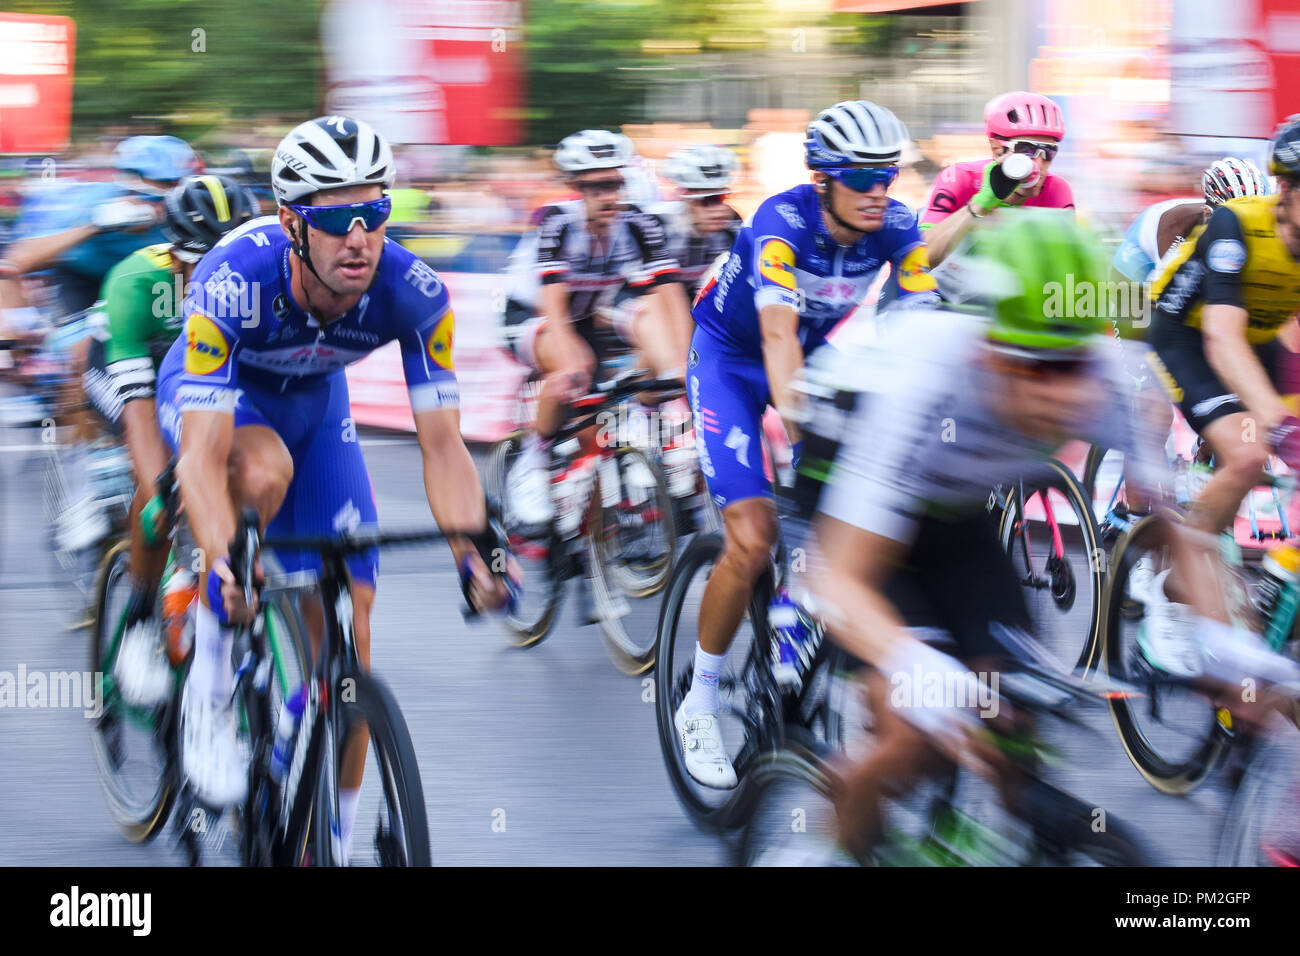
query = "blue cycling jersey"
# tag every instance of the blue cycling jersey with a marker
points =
(785, 256)
(242, 325)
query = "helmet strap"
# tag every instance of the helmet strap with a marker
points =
(824, 197)
(302, 250)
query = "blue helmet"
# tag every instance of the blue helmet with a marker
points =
(163, 158)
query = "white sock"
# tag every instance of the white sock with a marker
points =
(348, 800)
(702, 698)
(212, 672)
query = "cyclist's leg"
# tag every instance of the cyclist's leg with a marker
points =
(332, 492)
(727, 401)
(651, 324)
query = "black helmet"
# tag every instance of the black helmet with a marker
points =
(202, 209)
(1286, 149)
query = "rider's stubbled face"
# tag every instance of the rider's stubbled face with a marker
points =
(1046, 405)
(347, 264)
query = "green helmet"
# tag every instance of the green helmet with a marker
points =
(1032, 266)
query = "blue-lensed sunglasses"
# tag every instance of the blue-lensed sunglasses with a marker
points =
(338, 220)
(863, 180)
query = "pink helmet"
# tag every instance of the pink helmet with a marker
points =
(1023, 114)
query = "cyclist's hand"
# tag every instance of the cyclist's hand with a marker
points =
(574, 384)
(226, 595)
(484, 590)
(1285, 441)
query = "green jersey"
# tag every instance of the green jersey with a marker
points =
(139, 304)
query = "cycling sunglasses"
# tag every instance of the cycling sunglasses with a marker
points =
(598, 186)
(715, 200)
(1027, 147)
(338, 220)
(864, 180)
(1074, 364)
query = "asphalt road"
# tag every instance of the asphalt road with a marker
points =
(529, 757)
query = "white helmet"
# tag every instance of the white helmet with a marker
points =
(593, 149)
(704, 170)
(1232, 178)
(854, 131)
(330, 152)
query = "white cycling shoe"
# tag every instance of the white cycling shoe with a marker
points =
(213, 758)
(141, 670)
(82, 525)
(706, 758)
(528, 494)
(1167, 635)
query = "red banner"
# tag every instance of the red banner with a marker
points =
(36, 56)
(1281, 38)
(428, 71)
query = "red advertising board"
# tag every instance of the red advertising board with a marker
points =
(36, 54)
(450, 71)
(1280, 33)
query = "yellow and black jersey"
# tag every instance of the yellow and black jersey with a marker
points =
(1234, 259)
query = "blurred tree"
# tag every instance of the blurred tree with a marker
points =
(189, 65)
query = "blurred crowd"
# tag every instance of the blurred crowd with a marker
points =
(491, 194)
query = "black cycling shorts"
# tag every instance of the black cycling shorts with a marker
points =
(1180, 365)
(603, 340)
(958, 580)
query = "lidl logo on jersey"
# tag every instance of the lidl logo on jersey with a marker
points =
(776, 263)
(914, 271)
(438, 347)
(206, 349)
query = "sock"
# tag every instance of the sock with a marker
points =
(703, 695)
(139, 606)
(212, 673)
(348, 800)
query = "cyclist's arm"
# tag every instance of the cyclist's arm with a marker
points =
(130, 300)
(1234, 361)
(946, 218)
(451, 481)
(554, 307)
(206, 439)
(41, 252)
(782, 359)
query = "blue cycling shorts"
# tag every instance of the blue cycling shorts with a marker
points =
(331, 489)
(728, 395)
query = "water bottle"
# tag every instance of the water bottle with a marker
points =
(286, 732)
(182, 588)
(790, 645)
(1275, 593)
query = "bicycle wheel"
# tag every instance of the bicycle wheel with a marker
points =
(130, 745)
(1260, 828)
(1173, 735)
(749, 709)
(1062, 583)
(791, 821)
(391, 791)
(541, 560)
(632, 538)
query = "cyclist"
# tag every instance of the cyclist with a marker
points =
(701, 226)
(803, 264)
(1221, 300)
(1163, 226)
(564, 315)
(140, 305)
(910, 576)
(1018, 122)
(701, 229)
(254, 398)
(81, 230)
